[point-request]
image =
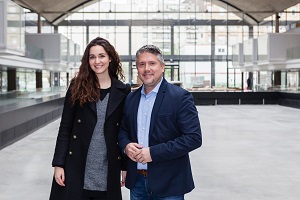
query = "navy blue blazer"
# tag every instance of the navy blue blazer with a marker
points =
(174, 132)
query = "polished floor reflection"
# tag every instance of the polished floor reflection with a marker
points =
(249, 152)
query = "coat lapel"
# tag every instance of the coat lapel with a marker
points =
(115, 98)
(92, 105)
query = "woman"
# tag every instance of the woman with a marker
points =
(87, 160)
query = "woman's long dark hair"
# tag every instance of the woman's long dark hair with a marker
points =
(85, 86)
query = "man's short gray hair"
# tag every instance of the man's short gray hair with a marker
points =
(150, 49)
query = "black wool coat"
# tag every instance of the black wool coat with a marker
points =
(74, 136)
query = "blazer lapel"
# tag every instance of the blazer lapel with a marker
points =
(159, 98)
(134, 111)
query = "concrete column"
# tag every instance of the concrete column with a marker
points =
(251, 32)
(87, 34)
(213, 67)
(299, 79)
(39, 79)
(277, 23)
(172, 41)
(68, 82)
(39, 29)
(11, 79)
(56, 78)
(130, 75)
(55, 29)
(277, 74)
(1, 89)
(277, 78)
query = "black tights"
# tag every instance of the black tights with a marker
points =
(94, 198)
(94, 195)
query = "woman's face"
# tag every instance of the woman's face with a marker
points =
(99, 60)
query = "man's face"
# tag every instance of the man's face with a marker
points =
(150, 70)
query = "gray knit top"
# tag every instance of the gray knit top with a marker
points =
(96, 164)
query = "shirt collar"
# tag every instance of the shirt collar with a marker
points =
(155, 90)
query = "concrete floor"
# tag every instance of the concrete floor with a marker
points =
(249, 152)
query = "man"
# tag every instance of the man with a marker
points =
(160, 127)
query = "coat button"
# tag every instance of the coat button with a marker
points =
(117, 124)
(78, 121)
(119, 157)
(70, 153)
(74, 137)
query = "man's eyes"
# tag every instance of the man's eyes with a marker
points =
(143, 64)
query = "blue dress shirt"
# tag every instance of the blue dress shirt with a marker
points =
(144, 118)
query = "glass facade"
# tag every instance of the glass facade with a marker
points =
(15, 27)
(195, 35)
(26, 80)
(3, 79)
(196, 38)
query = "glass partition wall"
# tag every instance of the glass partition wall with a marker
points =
(196, 36)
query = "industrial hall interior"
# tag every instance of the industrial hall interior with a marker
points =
(239, 59)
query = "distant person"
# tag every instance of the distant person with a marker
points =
(249, 84)
(87, 160)
(159, 129)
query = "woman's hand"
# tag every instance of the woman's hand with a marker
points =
(59, 175)
(123, 178)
